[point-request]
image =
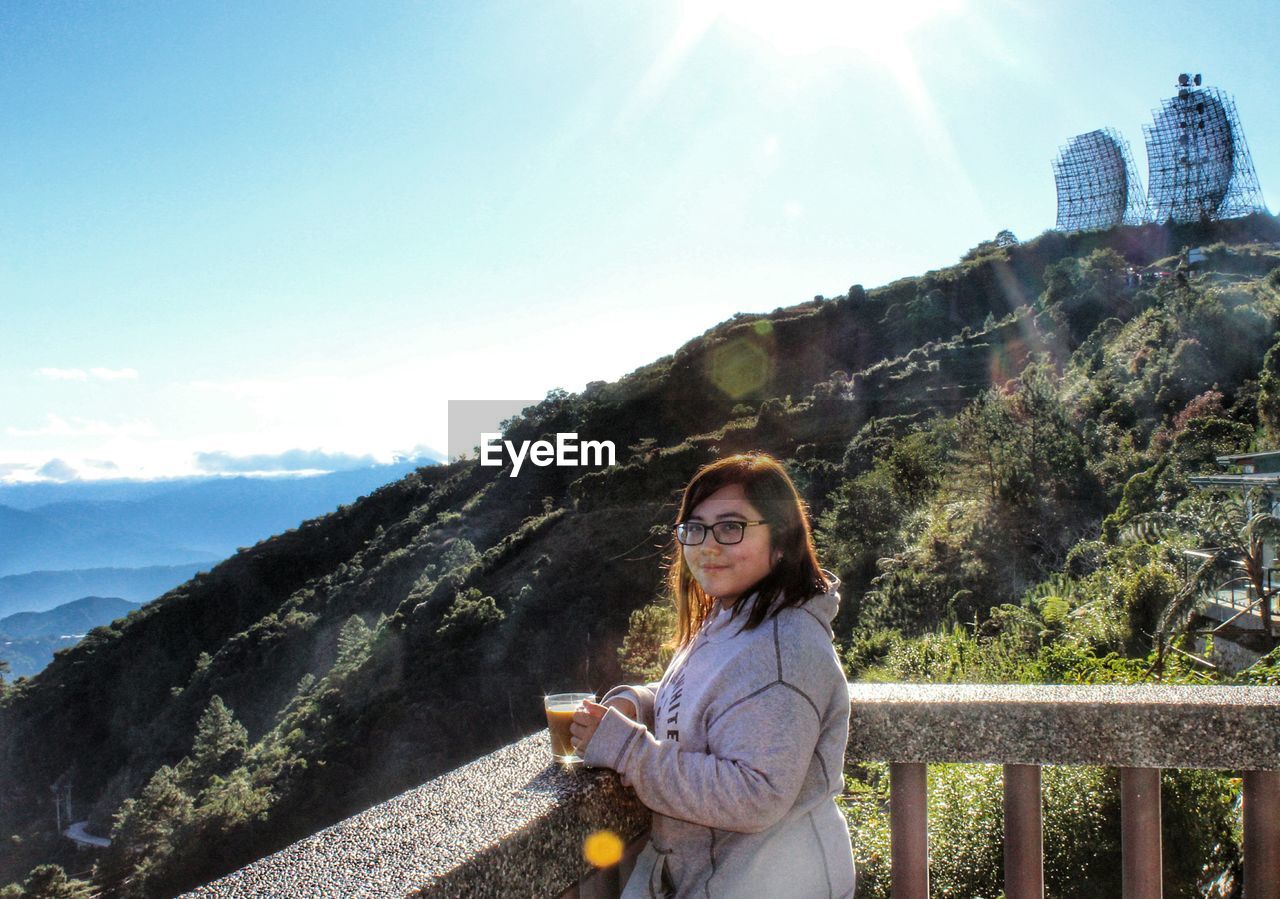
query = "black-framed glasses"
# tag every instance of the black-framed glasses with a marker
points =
(727, 533)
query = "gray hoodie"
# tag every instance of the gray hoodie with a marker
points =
(739, 753)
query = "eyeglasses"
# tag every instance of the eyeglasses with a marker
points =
(727, 533)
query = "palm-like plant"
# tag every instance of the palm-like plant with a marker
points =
(1235, 535)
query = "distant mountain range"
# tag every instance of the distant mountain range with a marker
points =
(70, 536)
(28, 640)
(41, 590)
(140, 524)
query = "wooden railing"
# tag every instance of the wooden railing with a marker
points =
(1138, 729)
(511, 824)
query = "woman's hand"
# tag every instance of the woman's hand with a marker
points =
(588, 718)
(585, 722)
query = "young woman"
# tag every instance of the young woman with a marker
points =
(740, 749)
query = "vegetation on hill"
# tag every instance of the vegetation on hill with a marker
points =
(977, 445)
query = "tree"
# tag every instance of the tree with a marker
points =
(148, 829)
(51, 882)
(470, 615)
(231, 802)
(646, 649)
(1269, 394)
(1081, 293)
(982, 431)
(865, 515)
(461, 553)
(1020, 442)
(220, 742)
(353, 643)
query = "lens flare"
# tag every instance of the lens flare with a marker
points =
(739, 367)
(602, 848)
(1007, 361)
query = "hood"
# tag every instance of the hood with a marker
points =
(823, 606)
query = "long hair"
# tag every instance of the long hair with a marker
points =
(793, 580)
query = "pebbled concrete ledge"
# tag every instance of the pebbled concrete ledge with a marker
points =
(1139, 726)
(510, 823)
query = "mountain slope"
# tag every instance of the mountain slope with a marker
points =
(403, 634)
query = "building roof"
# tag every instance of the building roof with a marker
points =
(1265, 461)
(1237, 480)
(1228, 460)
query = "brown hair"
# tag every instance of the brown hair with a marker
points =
(795, 578)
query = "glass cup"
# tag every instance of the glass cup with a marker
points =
(560, 708)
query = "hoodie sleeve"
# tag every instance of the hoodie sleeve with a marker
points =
(641, 697)
(760, 750)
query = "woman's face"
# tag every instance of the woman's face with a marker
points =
(726, 572)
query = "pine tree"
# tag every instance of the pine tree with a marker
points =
(646, 648)
(353, 643)
(51, 882)
(148, 829)
(220, 742)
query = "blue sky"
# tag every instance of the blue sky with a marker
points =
(245, 229)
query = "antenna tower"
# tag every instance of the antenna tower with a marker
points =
(1098, 186)
(1197, 160)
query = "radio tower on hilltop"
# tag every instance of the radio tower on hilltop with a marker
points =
(1198, 163)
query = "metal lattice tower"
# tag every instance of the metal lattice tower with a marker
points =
(1098, 186)
(1197, 160)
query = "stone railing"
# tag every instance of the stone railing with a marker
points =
(510, 824)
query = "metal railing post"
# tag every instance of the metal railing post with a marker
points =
(1262, 835)
(1023, 833)
(908, 830)
(1140, 854)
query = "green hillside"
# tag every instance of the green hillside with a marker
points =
(964, 439)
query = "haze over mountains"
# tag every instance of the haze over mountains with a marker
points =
(136, 524)
(28, 640)
(41, 590)
(134, 540)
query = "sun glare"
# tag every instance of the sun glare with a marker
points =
(878, 30)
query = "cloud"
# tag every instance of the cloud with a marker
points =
(94, 374)
(114, 374)
(289, 460)
(421, 454)
(303, 411)
(57, 426)
(57, 470)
